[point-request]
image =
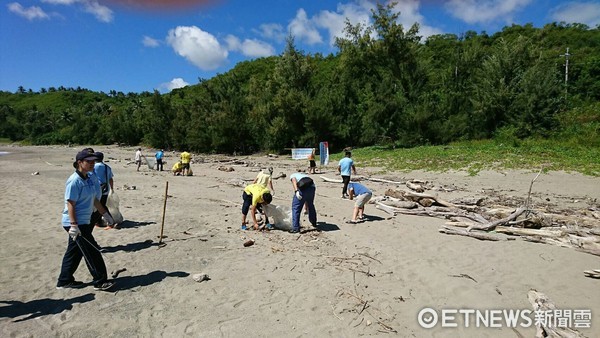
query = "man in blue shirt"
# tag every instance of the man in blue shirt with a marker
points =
(363, 195)
(345, 167)
(159, 159)
(105, 176)
(304, 193)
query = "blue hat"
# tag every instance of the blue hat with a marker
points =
(85, 154)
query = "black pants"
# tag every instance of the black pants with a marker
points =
(84, 245)
(159, 164)
(346, 180)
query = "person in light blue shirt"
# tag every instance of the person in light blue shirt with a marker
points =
(104, 175)
(304, 194)
(363, 195)
(159, 159)
(82, 193)
(345, 168)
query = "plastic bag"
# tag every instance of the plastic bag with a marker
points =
(280, 216)
(112, 204)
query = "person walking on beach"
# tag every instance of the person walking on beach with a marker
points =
(265, 178)
(138, 158)
(159, 159)
(104, 174)
(363, 195)
(304, 194)
(81, 195)
(185, 163)
(312, 165)
(254, 197)
(346, 168)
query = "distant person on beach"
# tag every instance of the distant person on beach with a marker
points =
(363, 195)
(82, 193)
(304, 194)
(104, 174)
(312, 165)
(159, 159)
(345, 169)
(177, 168)
(254, 197)
(138, 158)
(265, 178)
(185, 163)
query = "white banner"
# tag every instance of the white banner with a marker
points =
(301, 153)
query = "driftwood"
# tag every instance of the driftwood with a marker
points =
(415, 187)
(226, 169)
(426, 202)
(397, 203)
(280, 175)
(541, 302)
(530, 232)
(491, 225)
(462, 232)
(381, 180)
(592, 273)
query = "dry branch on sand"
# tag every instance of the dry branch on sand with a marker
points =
(547, 328)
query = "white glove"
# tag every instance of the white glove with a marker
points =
(74, 232)
(108, 218)
(298, 195)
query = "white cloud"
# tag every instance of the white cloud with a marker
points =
(31, 13)
(271, 31)
(482, 11)
(578, 12)
(173, 84)
(101, 12)
(335, 22)
(199, 47)
(249, 47)
(150, 42)
(304, 29)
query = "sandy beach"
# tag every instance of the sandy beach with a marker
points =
(347, 280)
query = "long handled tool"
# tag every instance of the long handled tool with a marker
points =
(162, 226)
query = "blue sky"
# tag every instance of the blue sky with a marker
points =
(142, 45)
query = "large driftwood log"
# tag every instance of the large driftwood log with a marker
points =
(462, 232)
(529, 232)
(387, 208)
(381, 180)
(541, 302)
(491, 225)
(396, 203)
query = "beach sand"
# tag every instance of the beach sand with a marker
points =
(348, 280)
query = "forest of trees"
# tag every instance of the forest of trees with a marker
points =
(386, 85)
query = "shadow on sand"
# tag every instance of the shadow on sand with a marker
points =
(130, 282)
(40, 307)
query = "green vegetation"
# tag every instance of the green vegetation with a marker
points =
(474, 156)
(385, 88)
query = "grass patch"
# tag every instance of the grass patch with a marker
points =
(475, 156)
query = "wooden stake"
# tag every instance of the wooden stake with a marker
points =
(162, 225)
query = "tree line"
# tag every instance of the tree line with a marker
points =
(386, 85)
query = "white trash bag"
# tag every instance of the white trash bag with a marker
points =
(112, 204)
(280, 216)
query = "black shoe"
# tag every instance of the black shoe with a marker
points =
(104, 286)
(294, 231)
(71, 285)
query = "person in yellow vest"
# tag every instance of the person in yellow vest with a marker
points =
(265, 178)
(185, 163)
(177, 168)
(255, 196)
